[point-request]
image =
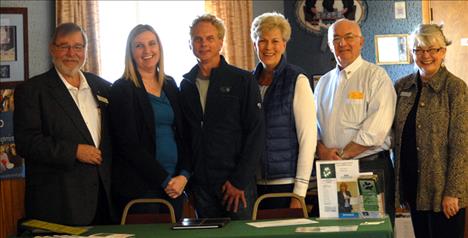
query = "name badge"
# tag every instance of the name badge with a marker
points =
(405, 94)
(102, 99)
(355, 95)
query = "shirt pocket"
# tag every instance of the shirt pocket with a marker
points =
(353, 112)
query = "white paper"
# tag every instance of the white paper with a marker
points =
(331, 175)
(371, 223)
(287, 222)
(403, 226)
(312, 229)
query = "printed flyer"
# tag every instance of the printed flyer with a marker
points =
(338, 191)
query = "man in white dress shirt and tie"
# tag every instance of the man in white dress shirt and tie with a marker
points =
(355, 104)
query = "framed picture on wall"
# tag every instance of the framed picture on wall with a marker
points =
(13, 46)
(392, 49)
(317, 15)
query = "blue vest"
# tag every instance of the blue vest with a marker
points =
(282, 148)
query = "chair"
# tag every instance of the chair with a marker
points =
(146, 218)
(279, 212)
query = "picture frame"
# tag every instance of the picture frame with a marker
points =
(392, 49)
(13, 46)
(326, 13)
(400, 10)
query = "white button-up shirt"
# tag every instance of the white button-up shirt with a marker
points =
(355, 104)
(86, 103)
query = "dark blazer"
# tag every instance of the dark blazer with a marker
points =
(136, 170)
(48, 127)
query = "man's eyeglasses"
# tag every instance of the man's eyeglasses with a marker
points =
(75, 48)
(431, 51)
(348, 38)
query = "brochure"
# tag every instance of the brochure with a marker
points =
(338, 190)
(371, 197)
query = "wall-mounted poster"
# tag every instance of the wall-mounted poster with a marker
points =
(317, 15)
(13, 46)
(392, 49)
(11, 165)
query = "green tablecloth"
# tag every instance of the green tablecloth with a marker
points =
(241, 229)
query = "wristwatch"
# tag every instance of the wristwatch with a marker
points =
(341, 154)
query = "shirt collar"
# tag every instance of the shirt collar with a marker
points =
(438, 79)
(83, 83)
(435, 82)
(350, 69)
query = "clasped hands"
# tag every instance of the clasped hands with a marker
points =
(176, 186)
(328, 153)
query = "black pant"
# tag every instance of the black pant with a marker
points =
(382, 165)
(271, 203)
(102, 216)
(429, 224)
(209, 202)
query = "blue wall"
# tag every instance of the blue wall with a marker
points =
(304, 47)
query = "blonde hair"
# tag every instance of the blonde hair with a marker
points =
(427, 35)
(217, 23)
(130, 71)
(267, 22)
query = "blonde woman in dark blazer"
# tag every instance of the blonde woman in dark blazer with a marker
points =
(431, 128)
(149, 158)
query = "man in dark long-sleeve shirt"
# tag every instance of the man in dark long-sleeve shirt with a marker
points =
(222, 107)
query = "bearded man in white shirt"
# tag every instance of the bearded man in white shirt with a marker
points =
(355, 105)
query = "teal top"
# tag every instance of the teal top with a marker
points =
(166, 147)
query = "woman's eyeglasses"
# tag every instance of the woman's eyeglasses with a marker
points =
(431, 51)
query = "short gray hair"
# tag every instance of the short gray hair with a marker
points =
(427, 35)
(267, 22)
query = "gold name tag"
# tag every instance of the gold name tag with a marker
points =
(102, 99)
(355, 95)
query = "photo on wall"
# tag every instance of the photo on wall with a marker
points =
(8, 43)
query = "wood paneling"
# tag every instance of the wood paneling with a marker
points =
(11, 205)
(448, 14)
